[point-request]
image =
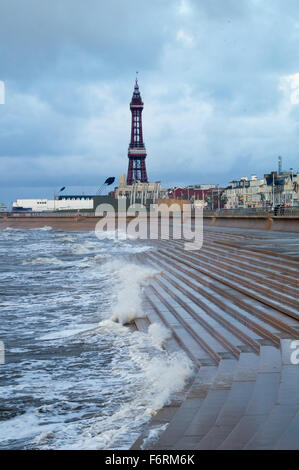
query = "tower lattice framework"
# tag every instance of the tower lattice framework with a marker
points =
(137, 151)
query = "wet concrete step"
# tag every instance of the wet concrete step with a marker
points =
(249, 259)
(255, 291)
(235, 404)
(184, 415)
(238, 333)
(206, 417)
(227, 299)
(142, 324)
(221, 383)
(229, 295)
(290, 439)
(272, 430)
(186, 320)
(279, 421)
(262, 401)
(225, 341)
(280, 301)
(279, 273)
(186, 341)
(249, 270)
(281, 259)
(255, 246)
(172, 344)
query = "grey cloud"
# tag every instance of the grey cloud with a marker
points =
(38, 37)
(210, 77)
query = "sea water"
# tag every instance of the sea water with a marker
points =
(75, 377)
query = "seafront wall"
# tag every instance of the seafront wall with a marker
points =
(278, 223)
(78, 223)
(67, 223)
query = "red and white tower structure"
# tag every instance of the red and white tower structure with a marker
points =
(137, 152)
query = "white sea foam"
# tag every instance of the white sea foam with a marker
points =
(85, 263)
(153, 436)
(45, 436)
(101, 257)
(86, 247)
(165, 374)
(114, 327)
(116, 235)
(156, 376)
(110, 235)
(66, 238)
(43, 260)
(44, 229)
(22, 426)
(69, 332)
(131, 277)
(91, 245)
(79, 249)
(158, 334)
(134, 249)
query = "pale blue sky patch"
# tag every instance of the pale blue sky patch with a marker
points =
(2, 92)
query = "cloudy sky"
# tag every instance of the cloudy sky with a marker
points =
(219, 80)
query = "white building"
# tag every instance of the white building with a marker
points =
(58, 204)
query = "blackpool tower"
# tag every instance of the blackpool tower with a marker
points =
(137, 152)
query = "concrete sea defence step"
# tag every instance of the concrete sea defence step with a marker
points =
(255, 290)
(237, 326)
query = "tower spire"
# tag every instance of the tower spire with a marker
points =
(137, 151)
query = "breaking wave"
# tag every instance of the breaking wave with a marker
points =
(130, 278)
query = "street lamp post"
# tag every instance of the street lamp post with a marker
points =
(60, 190)
(273, 192)
(292, 193)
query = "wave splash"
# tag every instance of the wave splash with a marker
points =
(155, 375)
(131, 278)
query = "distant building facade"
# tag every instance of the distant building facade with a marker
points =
(209, 195)
(272, 190)
(138, 191)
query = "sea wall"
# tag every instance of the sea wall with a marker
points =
(278, 223)
(78, 223)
